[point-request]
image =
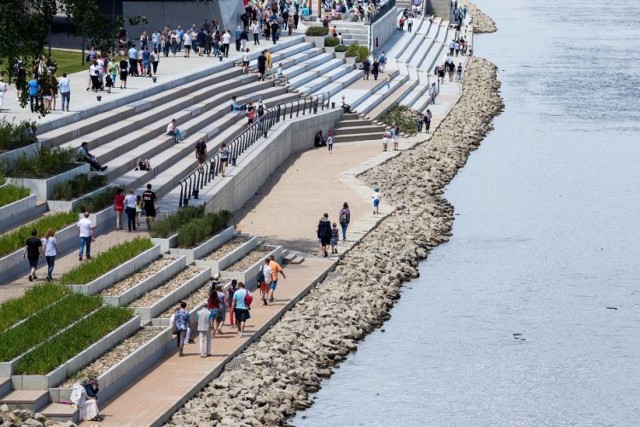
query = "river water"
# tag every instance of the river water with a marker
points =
(546, 238)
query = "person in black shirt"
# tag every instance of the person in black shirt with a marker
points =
(262, 65)
(201, 151)
(149, 204)
(33, 251)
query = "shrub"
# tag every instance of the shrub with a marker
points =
(316, 31)
(352, 50)
(45, 323)
(403, 116)
(3, 179)
(77, 186)
(98, 202)
(33, 300)
(46, 162)
(68, 344)
(169, 225)
(341, 48)
(12, 193)
(16, 239)
(331, 41)
(199, 229)
(363, 53)
(14, 135)
(104, 262)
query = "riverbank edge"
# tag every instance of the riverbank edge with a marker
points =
(482, 23)
(273, 378)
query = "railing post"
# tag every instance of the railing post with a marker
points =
(181, 194)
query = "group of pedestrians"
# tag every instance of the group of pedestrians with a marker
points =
(328, 233)
(134, 206)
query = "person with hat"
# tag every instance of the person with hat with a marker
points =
(376, 199)
(85, 156)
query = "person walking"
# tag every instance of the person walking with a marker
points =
(149, 198)
(130, 210)
(233, 287)
(344, 218)
(3, 89)
(33, 251)
(34, 94)
(240, 308)
(376, 200)
(50, 245)
(223, 154)
(427, 120)
(181, 326)
(264, 279)
(396, 136)
(86, 236)
(275, 269)
(204, 331)
(330, 142)
(223, 309)
(324, 233)
(118, 207)
(226, 40)
(334, 238)
(385, 140)
(213, 304)
(124, 72)
(201, 151)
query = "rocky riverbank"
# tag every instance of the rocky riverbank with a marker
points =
(272, 379)
(482, 23)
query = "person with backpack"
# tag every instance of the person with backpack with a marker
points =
(264, 277)
(241, 303)
(201, 151)
(344, 218)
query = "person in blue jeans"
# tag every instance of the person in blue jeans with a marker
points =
(86, 236)
(34, 91)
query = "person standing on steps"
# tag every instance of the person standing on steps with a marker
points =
(344, 218)
(201, 151)
(223, 154)
(50, 245)
(86, 236)
(130, 210)
(149, 198)
(324, 233)
(240, 308)
(275, 269)
(204, 331)
(262, 65)
(33, 251)
(376, 200)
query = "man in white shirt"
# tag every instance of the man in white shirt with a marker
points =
(226, 39)
(204, 331)
(86, 235)
(64, 86)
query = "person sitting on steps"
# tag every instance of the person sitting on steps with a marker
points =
(346, 107)
(172, 129)
(143, 165)
(236, 107)
(85, 156)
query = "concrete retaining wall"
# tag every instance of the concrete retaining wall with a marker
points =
(218, 265)
(69, 205)
(210, 245)
(383, 29)
(250, 276)
(43, 188)
(174, 297)
(13, 155)
(113, 276)
(441, 8)
(262, 159)
(148, 284)
(166, 244)
(17, 208)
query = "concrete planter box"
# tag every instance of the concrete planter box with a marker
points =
(82, 359)
(340, 55)
(13, 155)
(350, 59)
(174, 297)
(330, 49)
(17, 207)
(218, 265)
(199, 251)
(317, 41)
(69, 205)
(118, 273)
(250, 275)
(148, 284)
(166, 244)
(43, 188)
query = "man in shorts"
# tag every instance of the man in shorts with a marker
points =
(149, 203)
(240, 308)
(33, 251)
(275, 269)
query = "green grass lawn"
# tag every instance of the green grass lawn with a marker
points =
(68, 62)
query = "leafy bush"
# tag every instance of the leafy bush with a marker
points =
(45, 323)
(200, 229)
(33, 300)
(14, 135)
(331, 41)
(77, 186)
(363, 53)
(341, 48)
(352, 50)
(98, 202)
(169, 225)
(68, 344)
(402, 116)
(316, 31)
(12, 193)
(16, 239)
(3, 179)
(108, 260)
(45, 163)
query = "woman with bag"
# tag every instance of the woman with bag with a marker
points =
(344, 217)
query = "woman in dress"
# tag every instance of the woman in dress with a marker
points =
(118, 206)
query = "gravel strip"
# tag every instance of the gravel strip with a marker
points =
(227, 248)
(195, 299)
(151, 297)
(139, 276)
(113, 356)
(250, 259)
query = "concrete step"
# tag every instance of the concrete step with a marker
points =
(334, 68)
(389, 101)
(33, 400)
(364, 128)
(377, 136)
(61, 413)
(349, 117)
(346, 123)
(5, 386)
(340, 77)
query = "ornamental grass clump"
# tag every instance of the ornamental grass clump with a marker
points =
(200, 229)
(74, 340)
(45, 323)
(44, 163)
(317, 31)
(77, 186)
(170, 224)
(95, 267)
(33, 300)
(12, 193)
(98, 202)
(16, 239)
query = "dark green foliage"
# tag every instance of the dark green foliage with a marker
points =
(199, 229)
(12, 193)
(316, 31)
(33, 300)
(13, 135)
(45, 163)
(77, 186)
(401, 115)
(16, 239)
(341, 48)
(331, 41)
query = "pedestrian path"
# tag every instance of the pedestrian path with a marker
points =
(174, 380)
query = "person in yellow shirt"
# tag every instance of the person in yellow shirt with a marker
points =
(275, 269)
(269, 60)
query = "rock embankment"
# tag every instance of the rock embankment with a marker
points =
(272, 379)
(22, 417)
(482, 23)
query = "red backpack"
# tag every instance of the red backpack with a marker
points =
(248, 299)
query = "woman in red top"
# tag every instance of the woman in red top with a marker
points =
(213, 304)
(118, 206)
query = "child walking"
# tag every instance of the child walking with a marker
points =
(330, 142)
(138, 209)
(334, 239)
(376, 200)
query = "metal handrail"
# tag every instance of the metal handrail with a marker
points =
(191, 185)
